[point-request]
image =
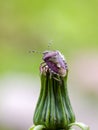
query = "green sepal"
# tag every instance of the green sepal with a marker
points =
(79, 124)
(38, 127)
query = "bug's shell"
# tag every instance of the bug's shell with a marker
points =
(56, 62)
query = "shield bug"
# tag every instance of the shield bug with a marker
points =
(54, 62)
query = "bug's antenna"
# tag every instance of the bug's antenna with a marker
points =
(49, 44)
(34, 51)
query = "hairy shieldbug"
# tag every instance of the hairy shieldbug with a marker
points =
(54, 61)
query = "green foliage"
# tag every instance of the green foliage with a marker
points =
(30, 24)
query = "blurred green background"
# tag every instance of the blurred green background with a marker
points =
(30, 25)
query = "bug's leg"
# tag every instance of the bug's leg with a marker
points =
(42, 63)
(60, 82)
(42, 66)
(58, 79)
(51, 72)
(55, 78)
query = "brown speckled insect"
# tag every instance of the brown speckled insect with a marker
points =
(55, 62)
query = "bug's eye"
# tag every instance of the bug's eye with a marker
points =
(45, 52)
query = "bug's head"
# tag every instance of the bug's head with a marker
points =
(49, 54)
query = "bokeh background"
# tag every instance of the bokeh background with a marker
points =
(30, 25)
